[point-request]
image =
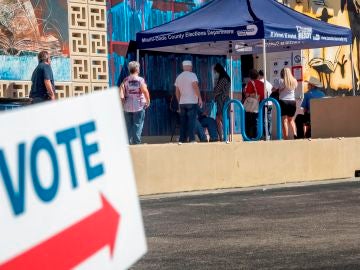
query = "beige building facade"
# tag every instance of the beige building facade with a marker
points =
(333, 65)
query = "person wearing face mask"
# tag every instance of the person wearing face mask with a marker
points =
(221, 93)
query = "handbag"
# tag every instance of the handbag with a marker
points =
(251, 104)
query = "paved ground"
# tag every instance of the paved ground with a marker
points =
(313, 227)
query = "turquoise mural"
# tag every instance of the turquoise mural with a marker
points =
(19, 68)
(26, 28)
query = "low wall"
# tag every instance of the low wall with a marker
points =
(335, 117)
(188, 167)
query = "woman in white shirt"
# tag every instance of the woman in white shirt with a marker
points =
(286, 87)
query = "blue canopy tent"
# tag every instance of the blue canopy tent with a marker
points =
(237, 27)
(243, 23)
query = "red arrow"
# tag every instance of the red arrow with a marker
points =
(73, 245)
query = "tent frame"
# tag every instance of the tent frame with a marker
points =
(248, 35)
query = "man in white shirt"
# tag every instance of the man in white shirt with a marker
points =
(188, 96)
(268, 87)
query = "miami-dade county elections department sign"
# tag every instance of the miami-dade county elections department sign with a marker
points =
(67, 191)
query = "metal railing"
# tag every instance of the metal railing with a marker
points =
(260, 122)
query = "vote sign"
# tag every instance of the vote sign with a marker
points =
(67, 191)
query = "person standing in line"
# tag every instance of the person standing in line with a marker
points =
(221, 94)
(135, 98)
(43, 86)
(268, 88)
(302, 121)
(253, 88)
(188, 96)
(286, 87)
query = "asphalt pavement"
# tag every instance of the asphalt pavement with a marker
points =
(309, 227)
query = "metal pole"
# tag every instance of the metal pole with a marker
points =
(231, 97)
(352, 71)
(231, 76)
(137, 55)
(265, 92)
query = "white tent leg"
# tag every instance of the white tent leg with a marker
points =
(232, 120)
(265, 92)
(352, 71)
(231, 76)
(137, 55)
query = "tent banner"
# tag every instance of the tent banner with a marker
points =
(305, 33)
(153, 40)
(247, 21)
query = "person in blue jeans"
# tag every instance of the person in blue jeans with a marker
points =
(210, 124)
(134, 125)
(188, 120)
(135, 98)
(188, 96)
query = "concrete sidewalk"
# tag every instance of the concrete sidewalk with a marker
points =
(298, 227)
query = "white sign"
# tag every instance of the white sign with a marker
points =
(251, 30)
(67, 192)
(304, 32)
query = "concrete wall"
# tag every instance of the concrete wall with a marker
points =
(335, 117)
(189, 167)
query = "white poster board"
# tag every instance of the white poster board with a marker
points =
(67, 190)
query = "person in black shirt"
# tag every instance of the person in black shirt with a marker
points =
(43, 87)
(221, 94)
